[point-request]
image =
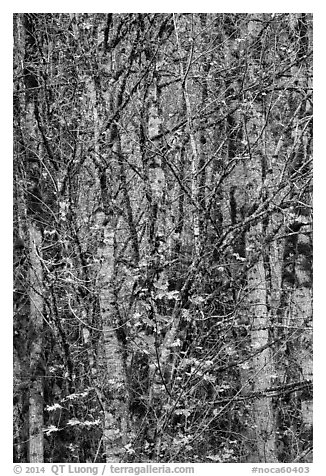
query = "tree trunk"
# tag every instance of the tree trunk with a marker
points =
(115, 388)
(37, 370)
(195, 195)
(301, 318)
(262, 362)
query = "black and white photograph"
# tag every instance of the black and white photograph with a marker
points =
(162, 238)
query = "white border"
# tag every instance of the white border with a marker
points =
(319, 197)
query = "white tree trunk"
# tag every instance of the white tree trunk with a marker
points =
(301, 316)
(193, 142)
(36, 419)
(262, 362)
(115, 389)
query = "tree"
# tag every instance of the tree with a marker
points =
(162, 169)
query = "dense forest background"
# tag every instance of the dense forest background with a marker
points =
(163, 237)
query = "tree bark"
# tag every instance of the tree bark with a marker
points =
(262, 363)
(195, 159)
(37, 370)
(116, 417)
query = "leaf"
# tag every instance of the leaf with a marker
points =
(182, 411)
(173, 295)
(176, 343)
(245, 366)
(148, 321)
(210, 378)
(73, 422)
(129, 449)
(161, 285)
(50, 429)
(214, 458)
(89, 423)
(51, 408)
(197, 300)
